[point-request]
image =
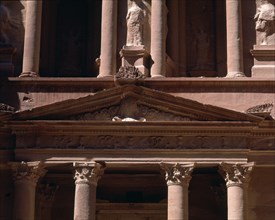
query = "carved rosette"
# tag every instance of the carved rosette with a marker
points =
(178, 174)
(88, 173)
(236, 174)
(27, 171)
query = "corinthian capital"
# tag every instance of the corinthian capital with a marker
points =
(88, 173)
(27, 171)
(236, 174)
(178, 174)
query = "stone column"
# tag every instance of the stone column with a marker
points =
(236, 177)
(234, 39)
(108, 38)
(32, 38)
(26, 176)
(86, 178)
(158, 37)
(178, 178)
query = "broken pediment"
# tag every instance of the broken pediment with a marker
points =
(133, 103)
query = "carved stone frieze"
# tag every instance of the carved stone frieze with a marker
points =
(137, 112)
(153, 114)
(88, 173)
(129, 72)
(236, 174)
(6, 108)
(102, 114)
(31, 171)
(178, 174)
(264, 109)
(262, 143)
(108, 141)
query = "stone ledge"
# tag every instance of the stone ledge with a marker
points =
(163, 83)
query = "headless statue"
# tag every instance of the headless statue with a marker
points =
(135, 21)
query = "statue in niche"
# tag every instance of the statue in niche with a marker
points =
(265, 23)
(203, 46)
(135, 21)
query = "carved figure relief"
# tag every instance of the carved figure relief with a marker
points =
(135, 20)
(8, 24)
(265, 23)
(5, 23)
(203, 47)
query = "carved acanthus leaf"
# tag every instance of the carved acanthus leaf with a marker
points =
(27, 171)
(177, 174)
(6, 108)
(236, 174)
(129, 72)
(88, 173)
(260, 109)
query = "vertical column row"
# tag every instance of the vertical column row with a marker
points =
(178, 177)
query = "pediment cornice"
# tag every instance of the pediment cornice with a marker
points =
(134, 102)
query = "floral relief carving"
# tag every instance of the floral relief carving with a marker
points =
(178, 174)
(236, 174)
(27, 171)
(88, 173)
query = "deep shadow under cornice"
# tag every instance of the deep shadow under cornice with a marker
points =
(170, 84)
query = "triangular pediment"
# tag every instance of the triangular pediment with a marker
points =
(135, 103)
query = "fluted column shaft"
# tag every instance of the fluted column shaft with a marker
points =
(234, 38)
(32, 38)
(158, 37)
(177, 177)
(108, 38)
(26, 176)
(86, 178)
(237, 177)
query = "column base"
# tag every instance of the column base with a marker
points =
(136, 56)
(235, 75)
(264, 61)
(29, 74)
